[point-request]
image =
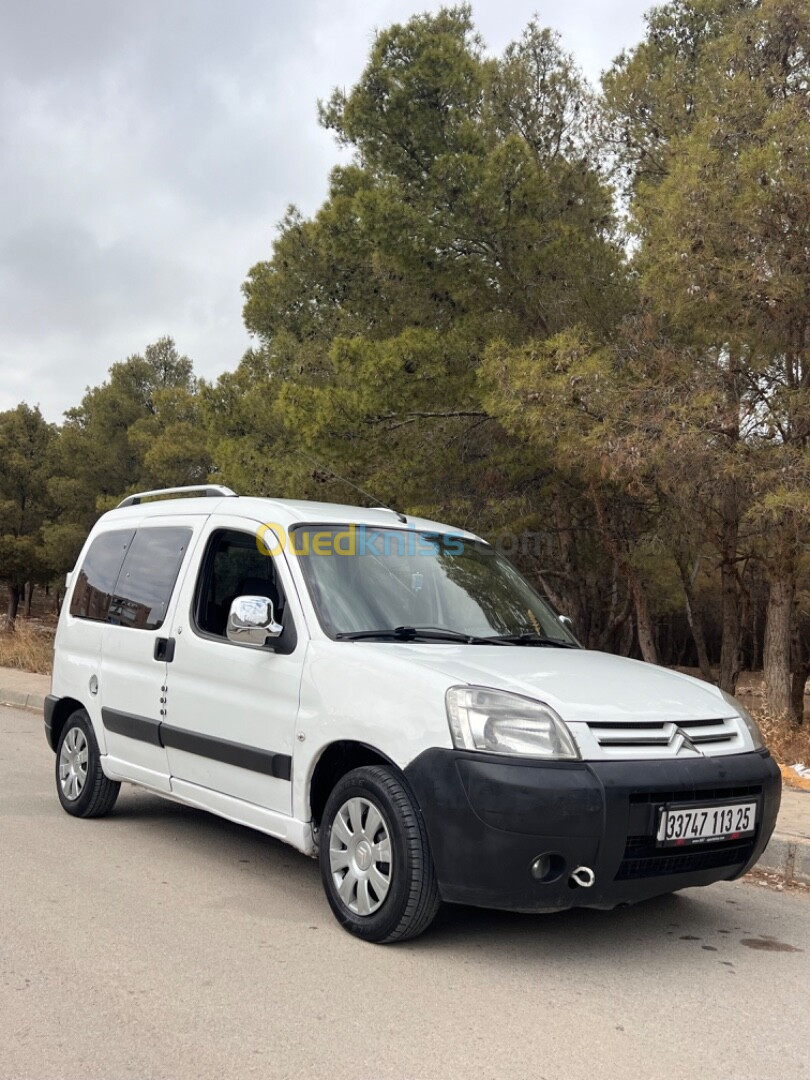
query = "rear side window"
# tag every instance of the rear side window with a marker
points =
(146, 579)
(127, 577)
(96, 581)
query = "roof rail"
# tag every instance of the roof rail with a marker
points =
(209, 490)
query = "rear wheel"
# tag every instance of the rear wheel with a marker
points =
(375, 859)
(82, 787)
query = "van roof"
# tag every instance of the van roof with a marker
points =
(283, 512)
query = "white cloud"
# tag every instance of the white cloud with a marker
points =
(148, 150)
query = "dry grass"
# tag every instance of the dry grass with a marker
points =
(789, 743)
(29, 647)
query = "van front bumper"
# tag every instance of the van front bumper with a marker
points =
(489, 820)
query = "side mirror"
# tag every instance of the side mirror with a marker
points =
(252, 621)
(567, 622)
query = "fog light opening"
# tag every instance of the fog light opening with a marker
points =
(547, 867)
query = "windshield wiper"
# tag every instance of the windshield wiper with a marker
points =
(421, 633)
(528, 637)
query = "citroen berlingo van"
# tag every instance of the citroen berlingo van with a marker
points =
(389, 695)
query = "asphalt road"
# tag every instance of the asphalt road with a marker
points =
(164, 942)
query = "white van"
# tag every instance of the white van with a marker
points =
(388, 694)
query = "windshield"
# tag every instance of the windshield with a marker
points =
(368, 580)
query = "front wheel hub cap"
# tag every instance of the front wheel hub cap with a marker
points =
(360, 856)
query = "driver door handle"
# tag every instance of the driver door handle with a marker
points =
(164, 649)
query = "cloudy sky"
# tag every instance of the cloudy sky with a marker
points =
(147, 151)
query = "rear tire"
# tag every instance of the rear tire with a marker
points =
(375, 858)
(83, 789)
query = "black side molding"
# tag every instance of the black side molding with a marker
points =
(229, 753)
(131, 726)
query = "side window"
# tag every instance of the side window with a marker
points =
(147, 577)
(96, 581)
(233, 566)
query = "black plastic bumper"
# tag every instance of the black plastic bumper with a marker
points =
(489, 820)
(50, 708)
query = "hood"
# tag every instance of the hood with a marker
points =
(578, 684)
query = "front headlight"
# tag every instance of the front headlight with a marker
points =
(503, 723)
(747, 719)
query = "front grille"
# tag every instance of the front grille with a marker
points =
(664, 738)
(642, 859)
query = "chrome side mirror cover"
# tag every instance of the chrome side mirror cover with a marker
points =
(252, 621)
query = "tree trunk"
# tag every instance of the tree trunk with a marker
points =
(13, 605)
(695, 625)
(626, 639)
(801, 673)
(730, 598)
(579, 606)
(29, 596)
(799, 682)
(778, 640)
(644, 623)
(756, 660)
(617, 624)
(552, 594)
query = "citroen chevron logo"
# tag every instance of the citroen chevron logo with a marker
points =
(682, 741)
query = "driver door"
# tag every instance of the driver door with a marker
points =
(231, 708)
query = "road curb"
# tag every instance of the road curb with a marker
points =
(788, 856)
(35, 702)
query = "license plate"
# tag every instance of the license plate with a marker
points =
(680, 825)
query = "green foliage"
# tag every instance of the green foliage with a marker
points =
(525, 308)
(725, 224)
(135, 431)
(655, 93)
(26, 452)
(472, 209)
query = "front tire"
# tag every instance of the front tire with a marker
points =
(375, 858)
(83, 789)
